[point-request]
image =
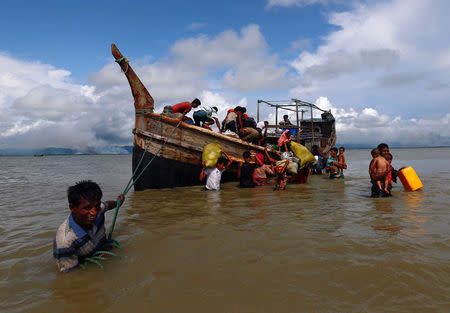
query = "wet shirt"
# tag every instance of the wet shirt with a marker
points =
(73, 243)
(247, 171)
(213, 177)
(180, 107)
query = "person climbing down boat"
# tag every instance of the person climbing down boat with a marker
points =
(206, 117)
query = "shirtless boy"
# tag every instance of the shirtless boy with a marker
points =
(341, 158)
(378, 170)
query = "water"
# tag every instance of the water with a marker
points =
(324, 246)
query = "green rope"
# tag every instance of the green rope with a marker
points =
(154, 156)
(101, 252)
(133, 178)
(123, 59)
(92, 260)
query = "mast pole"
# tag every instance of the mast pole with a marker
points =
(298, 128)
(276, 118)
(257, 112)
(312, 127)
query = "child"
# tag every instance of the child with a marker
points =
(333, 165)
(246, 172)
(379, 170)
(281, 177)
(341, 158)
(83, 232)
(214, 175)
(261, 172)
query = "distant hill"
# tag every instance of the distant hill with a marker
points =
(68, 151)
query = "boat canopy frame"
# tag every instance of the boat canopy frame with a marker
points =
(296, 106)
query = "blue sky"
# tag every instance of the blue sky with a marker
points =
(380, 66)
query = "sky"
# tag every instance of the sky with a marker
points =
(381, 67)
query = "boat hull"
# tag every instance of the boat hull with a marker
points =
(168, 173)
(178, 148)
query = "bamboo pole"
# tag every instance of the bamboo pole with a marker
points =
(312, 127)
(257, 113)
(298, 128)
(276, 119)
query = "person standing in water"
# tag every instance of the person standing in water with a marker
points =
(83, 232)
(246, 172)
(214, 175)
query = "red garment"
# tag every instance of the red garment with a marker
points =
(260, 157)
(283, 138)
(389, 175)
(301, 177)
(180, 107)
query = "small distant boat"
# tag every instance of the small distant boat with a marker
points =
(38, 155)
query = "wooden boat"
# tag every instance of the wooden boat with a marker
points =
(179, 161)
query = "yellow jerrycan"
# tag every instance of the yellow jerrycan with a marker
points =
(409, 179)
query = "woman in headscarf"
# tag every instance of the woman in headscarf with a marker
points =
(259, 176)
(284, 140)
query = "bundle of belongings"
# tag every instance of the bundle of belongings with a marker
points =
(292, 167)
(298, 158)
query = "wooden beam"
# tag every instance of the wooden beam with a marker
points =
(312, 128)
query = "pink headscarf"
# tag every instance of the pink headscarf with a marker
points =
(283, 138)
(260, 157)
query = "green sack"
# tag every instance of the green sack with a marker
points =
(302, 153)
(211, 153)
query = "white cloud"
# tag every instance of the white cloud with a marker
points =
(387, 55)
(41, 107)
(369, 127)
(379, 68)
(248, 65)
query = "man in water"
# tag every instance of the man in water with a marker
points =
(246, 172)
(384, 151)
(83, 232)
(214, 175)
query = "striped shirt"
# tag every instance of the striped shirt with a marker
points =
(72, 243)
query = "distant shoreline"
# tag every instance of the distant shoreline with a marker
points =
(127, 150)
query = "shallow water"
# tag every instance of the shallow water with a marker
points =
(323, 246)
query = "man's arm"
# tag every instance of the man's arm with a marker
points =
(239, 170)
(229, 159)
(223, 122)
(285, 165)
(112, 204)
(218, 125)
(202, 173)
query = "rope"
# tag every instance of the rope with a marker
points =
(127, 60)
(133, 178)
